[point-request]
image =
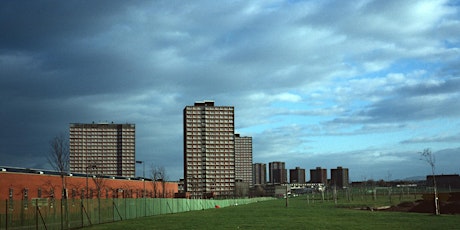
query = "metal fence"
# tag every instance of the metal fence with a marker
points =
(76, 213)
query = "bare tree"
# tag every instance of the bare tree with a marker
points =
(58, 157)
(99, 180)
(428, 156)
(158, 174)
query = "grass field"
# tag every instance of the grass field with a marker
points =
(300, 214)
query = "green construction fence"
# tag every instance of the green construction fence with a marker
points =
(75, 213)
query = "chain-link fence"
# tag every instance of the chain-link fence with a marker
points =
(75, 213)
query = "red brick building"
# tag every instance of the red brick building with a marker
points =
(22, 184)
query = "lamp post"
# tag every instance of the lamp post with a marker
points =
(143, 179)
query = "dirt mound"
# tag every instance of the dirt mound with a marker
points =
(427, 206)
(402, 207)
(450, 207)
(449, 203)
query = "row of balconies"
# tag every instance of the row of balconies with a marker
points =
(212, 131)
(243, 160)
(95, 130)
(105, 152)
(86, 158)
(220, 109)
(211, 184)
(209, 116)
(106, 146)
(100, 164)
(201, 134)
(99, 146)
(208, 159)
(79, 141)
(102, 149)
(210, 162)
(108, 159)
(101, 140)
(227, 145)
(211, 140)
(210, 154)
(102, 134)
(95, 161)
(210, 108)
(211, 151)
(221, 168)
(210, 167)
(210, 146)
(212, 123)
(203, 140)
(103, 163)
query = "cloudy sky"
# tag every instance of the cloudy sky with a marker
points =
(364, 84)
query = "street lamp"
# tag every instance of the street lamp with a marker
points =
(143, 179)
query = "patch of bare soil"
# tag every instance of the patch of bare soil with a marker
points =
(450, 205)
(424, 206)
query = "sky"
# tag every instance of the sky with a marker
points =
(366, 85)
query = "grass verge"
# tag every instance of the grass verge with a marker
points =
(300, 214)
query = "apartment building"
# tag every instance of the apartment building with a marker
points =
(318, 175)
(259, 171)
(339, 177)
(297, 176)
(277, 172)
(103, 149)
(243, 159)
(209, 150)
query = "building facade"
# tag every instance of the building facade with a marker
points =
(339, 177)
(27, 184)
(209, 150)
(318, 175)
(103, 149)
(243, 159)
(297, 176)
(259, 174)
(277, 172)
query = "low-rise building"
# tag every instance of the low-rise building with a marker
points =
(22, 184)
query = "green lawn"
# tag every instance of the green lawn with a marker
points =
(301, 214)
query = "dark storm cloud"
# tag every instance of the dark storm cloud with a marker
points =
(40, 52)
(33, 25)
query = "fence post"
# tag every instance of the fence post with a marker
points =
(6, 213)
(62, 217)
(81, 212)
(36, 214)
